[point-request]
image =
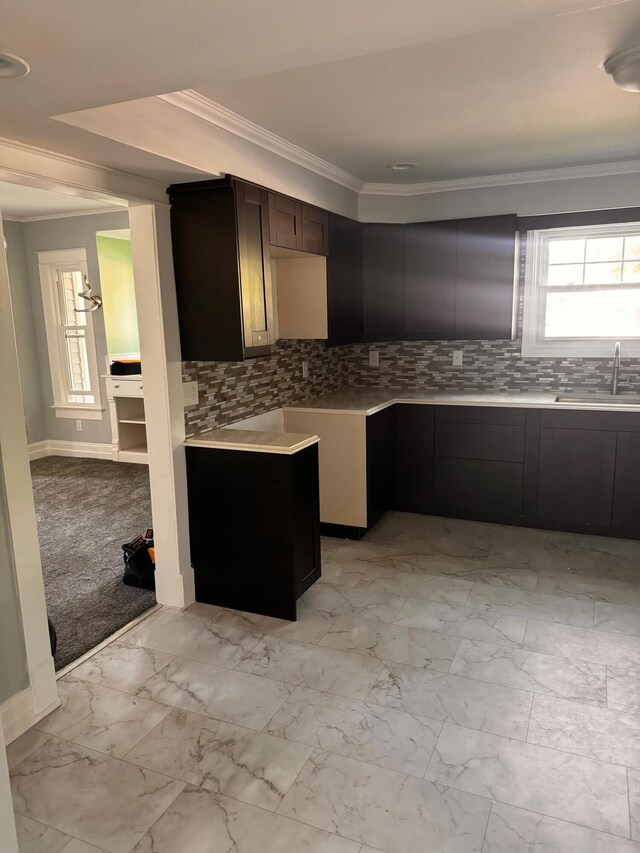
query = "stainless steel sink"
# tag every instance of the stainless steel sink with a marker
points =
(599, 399)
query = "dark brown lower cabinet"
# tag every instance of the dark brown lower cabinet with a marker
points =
(576, 477)
(381, 463)
(414, 460)
(254, 523)
(626, 490)
(483, 489)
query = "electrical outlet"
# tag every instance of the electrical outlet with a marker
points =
(374, 358)
(305, 369)
(78, 426)
(190, 391)
(457, 358)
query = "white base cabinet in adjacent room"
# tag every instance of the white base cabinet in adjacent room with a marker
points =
(125, 395)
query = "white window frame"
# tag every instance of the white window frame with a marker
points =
(50, 263)
(534, 344)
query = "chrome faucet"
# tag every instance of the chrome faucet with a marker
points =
(616, 368)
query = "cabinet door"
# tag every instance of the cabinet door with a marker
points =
(479, 488)
(575, 476)
(344, 281)
(430, 280)
(381, 454)
(315, 230)
(414, 458)
(285, 222)
(255, 268)
(383, 279)
(626, 495)
(485, 278)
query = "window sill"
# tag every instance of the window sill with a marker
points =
(582, 350)
(82, 413)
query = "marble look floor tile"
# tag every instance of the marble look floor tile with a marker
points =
(453, 699)
(201, 820)
(382, 736)
(535, 671)
(94, 797)
(243, 764)
(122, 667)
(462, 621)
(235, 697)
(197, 639)
(354, 601)
(34, 837)
(591, 793)
(384, 809)
(586, 730)
(101, 718)
(321, 668)
(392, 643)
(23, 746)
(513, 830)
(419, 585)
(633, 777)
(536, 605)
(310, 627)
(595, 587)
(76, 846)
(617, 618)
(583, 644)
(623, 690)
(496, 572)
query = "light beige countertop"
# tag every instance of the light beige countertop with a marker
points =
(356, 400)
(286, 443)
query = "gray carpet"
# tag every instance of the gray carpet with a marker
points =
(86, 509)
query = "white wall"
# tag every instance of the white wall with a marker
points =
(530, 199)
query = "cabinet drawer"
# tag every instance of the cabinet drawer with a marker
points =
(568, 419)
(119, 386)
(480, 415)
(500, 442)
(479, 488)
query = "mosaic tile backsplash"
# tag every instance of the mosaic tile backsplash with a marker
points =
(232, 391)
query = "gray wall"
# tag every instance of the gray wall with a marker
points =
(46, 235)
(28, 356)
(13, 658)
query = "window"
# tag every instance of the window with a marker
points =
(582, 291)
(70, 339)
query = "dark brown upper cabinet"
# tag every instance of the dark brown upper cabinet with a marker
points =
(222, 268)
(344, 281)
(450, 280)
(383, 280)
(294, 225)
(430, 280)
(485, 278)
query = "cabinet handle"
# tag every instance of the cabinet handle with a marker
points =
(116, 386)
(140, 387)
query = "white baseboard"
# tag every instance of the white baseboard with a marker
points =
(81, 449)
(18, 714)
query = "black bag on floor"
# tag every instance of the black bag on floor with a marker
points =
(139, 565)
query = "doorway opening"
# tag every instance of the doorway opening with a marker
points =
(75, 316)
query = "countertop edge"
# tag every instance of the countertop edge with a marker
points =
(476, 402)
(212, 444)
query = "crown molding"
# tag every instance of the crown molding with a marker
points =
(566, 173)
(193, 102)
(32, 162)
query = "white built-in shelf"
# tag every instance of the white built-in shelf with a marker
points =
(139, 420)
(137, 448)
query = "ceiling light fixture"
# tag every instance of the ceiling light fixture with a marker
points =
(624, 67)
(402, 167)
(13, 66)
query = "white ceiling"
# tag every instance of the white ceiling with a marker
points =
(462, 87)
(20, 202)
